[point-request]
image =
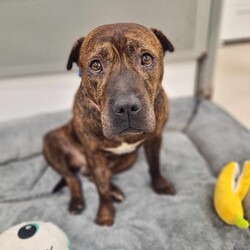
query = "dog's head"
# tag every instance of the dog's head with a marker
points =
(121, 67)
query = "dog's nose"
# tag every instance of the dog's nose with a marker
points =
(127, 105)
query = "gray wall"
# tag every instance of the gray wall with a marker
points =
(37, 35)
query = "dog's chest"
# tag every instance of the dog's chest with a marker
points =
(124, 148)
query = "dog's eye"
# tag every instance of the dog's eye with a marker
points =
(96, 66)
(146, 60)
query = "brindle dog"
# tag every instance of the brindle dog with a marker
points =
(119, 106)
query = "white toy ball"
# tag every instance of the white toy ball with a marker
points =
(34, 236)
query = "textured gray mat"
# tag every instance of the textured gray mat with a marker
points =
(198, 141)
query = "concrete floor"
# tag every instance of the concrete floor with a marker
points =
(232, 81)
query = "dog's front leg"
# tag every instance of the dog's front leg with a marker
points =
(102, 178)
(159, 183)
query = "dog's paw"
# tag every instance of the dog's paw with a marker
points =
(76, 206)
(162, 186)
(104, 221)
(105, 216)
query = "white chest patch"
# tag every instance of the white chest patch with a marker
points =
(124, 148)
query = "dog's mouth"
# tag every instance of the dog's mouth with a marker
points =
(133, 124)
(130, 130)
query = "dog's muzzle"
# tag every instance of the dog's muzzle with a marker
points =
(126, 110)
(127, 114)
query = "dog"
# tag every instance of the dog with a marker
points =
(119, 106)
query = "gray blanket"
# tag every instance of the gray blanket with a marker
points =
(198, 140)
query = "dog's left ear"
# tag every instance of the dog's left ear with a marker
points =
(74, 54)
(165, 43)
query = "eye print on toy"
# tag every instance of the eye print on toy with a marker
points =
(28, 231)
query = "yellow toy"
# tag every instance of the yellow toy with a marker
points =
(230, 190)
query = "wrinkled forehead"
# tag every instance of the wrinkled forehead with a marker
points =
(123, 37)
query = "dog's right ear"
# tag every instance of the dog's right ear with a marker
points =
(165, 43)
(74, 54)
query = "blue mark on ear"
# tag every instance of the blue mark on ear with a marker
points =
(79, 73)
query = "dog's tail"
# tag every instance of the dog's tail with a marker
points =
(61, 184)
